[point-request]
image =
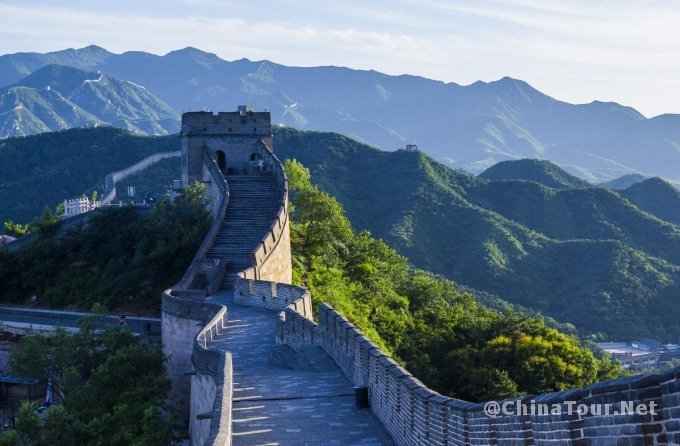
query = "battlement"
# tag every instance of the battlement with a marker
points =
(242, 122)
(195, 331)
(237, 141)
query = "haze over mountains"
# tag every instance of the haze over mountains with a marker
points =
(57, 97)
(584, 255)
(471, 127)
(603, 260)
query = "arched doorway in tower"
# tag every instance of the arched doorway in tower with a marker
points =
(222, 161)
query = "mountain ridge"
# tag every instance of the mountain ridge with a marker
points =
(471, 127)
(60, 97)
(585, 256)
(540, 171)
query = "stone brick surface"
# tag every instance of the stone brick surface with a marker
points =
(306, 396)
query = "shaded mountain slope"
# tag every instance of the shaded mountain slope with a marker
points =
(584, 256)
(656, 196)
(57, 98)
(471, 127)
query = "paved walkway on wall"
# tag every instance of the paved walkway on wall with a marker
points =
(278, 406)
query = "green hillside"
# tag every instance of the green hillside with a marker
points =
(57, 98)
(426, 323)
(121, 258)
(656, 196)
(45, 169)
(584, 256)
(540, 171)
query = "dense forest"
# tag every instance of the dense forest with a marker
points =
(440, 334)
(109, 387)
(582, 255)
(121, 258)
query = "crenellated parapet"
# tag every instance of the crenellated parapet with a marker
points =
(216, 147)
(196, 323)
(416, 415)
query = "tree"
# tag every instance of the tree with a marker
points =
(121, 385)
(298, 176)
(61, 358)
(193, 196)
(46, 223)
(439, 333)
(15, 229)
(28, 424)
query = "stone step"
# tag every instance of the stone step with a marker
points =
(253, 203)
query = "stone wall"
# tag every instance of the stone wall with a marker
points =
(272, 295)
(238, 136)
(212, 385)
(416, 415)
(184, 312)
(272, 256)
(201, 376)
(182, 321)
(203, 392)
(115, 177)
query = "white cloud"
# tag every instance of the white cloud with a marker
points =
(578, 51)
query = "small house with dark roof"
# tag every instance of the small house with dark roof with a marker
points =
(16, 389)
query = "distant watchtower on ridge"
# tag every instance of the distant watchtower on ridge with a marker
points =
(234, 139)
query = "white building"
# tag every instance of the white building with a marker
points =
(79, 206)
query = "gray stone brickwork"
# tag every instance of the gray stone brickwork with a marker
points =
(416, 415)
(217, 359)
(213, 146)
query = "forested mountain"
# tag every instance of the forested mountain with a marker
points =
(586, 256)
(656, 196)
(589, 256)
(45, 169)
(471, 127)
(57, 97)
(540, 171)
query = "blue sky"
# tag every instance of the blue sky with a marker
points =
(578, 50)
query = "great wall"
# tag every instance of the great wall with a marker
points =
(249, 364)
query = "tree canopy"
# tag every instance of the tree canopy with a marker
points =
(437, 332)
(116, 257)
(110, 390)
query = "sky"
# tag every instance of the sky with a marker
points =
(626, 51)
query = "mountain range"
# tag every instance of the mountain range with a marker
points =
(57, 97)
(472, 127)
(45, 169)
(603, 261)
(527, 232)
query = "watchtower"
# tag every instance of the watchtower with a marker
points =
(234, 139)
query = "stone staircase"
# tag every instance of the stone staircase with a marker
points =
(253, 202)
